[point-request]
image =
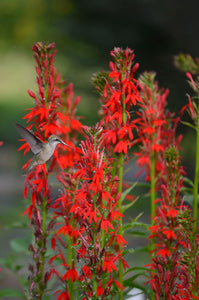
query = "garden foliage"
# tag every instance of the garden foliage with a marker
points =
(79, 247)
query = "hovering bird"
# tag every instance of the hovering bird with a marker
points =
(43, 151)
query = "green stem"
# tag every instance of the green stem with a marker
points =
(196, 178)
(94, 297)
(114, 170)
(43, 225)
(43, 250)
(152, 187)
(71, 258)
(152, 176)
(121, 161)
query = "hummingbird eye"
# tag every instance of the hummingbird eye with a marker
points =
(56, 140)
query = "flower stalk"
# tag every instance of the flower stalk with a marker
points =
(121, 163)
(87, 221)
(48, 119)
(119, 93)
(196, 177)
(43, 247)
(152, 186)
(71, 260)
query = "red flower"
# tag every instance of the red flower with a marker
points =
(71, 274)
(120, 92)
(49, 115)
(105, 224)
(172, 212)
(120, 240)
(109, 265)
(100, 290)
(63, 295)
(169, 233)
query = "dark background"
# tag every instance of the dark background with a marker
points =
(85, 31)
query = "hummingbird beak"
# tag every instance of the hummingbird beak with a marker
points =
(66, 144)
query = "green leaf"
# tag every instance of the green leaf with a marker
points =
(143, 185)
(125, 207)
(135, 223)
(187, 190)
(19, 245)
(138, 233)
(189, 199)
(129, 251)
(136, 269)
(130, 280)
(127, 191)
(135, 285)
(146, 249)
(188, 124)
(188, 181)
(9, 261)
(11, 293)
(18, 224)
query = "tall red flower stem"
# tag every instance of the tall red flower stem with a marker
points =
(153, 130)
(48, 118)
(151, 119)
(189, 257)
(152, 184)
(119, 94)
(190, 66)
(193, 109)
(95, 210)
(44, 205)
(165, 269)
(63, 204)
(43, 245)
(196, 177)
(121, 163)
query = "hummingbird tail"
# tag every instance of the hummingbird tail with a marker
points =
(32, 164)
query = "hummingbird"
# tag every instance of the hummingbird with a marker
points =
(42, 151)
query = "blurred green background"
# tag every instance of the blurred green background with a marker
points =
(84, 31)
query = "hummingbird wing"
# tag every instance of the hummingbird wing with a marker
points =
(35, 143)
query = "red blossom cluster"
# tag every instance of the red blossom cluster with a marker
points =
(53, 113)
(53, 110)
(119, 98)
(85, 226)
(169, 274)
(151, 123)
(156, 133)
(174, 268)
(90, 203)
(119, 95)
(166, 234)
